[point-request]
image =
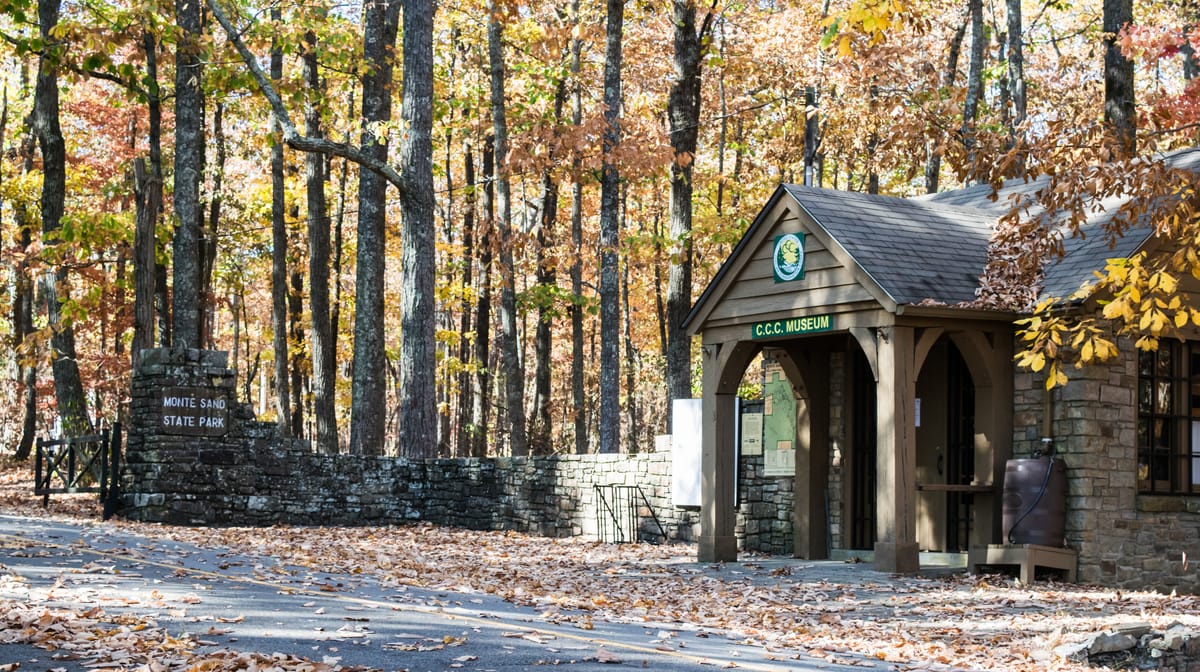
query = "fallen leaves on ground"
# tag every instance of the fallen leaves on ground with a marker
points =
(959, 620)
(101, 641)
(955, 621)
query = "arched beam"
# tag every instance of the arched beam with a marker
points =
(925, 342)
(866, 340)
(724, 365)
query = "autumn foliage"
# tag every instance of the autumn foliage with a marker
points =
(886, 82)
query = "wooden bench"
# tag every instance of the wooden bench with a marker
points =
(1027, 556)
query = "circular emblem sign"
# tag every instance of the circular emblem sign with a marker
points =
(788, 258)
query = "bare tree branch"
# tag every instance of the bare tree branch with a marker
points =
(291, 137)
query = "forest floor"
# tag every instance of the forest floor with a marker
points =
(794, 613)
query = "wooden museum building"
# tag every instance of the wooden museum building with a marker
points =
(909, 406)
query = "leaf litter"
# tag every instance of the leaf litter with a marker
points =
(947, 622)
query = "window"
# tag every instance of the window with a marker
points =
(1169, 419)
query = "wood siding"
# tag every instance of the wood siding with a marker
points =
(828, 285)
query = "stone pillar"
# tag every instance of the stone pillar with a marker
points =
(187, 439)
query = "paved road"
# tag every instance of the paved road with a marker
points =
(251, 604)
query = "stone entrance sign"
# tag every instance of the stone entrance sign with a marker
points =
(194, 411)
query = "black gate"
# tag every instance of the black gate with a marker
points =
(620, 510)
(80, 464)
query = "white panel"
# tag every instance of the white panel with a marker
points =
(685, 451)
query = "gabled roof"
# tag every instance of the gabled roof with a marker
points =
(909, 250)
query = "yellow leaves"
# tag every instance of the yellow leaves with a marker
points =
(1164, 282)
(870, 19)
(844, 49)
(1034, 361)
(1095, 349)
(1138, 298)
(1055, 376)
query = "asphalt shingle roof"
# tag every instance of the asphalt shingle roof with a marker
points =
(1082, 255)
(914, 249)
(947, 233)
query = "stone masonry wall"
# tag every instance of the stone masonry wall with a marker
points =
(1124, 539)
(251, 477)
(764, 521)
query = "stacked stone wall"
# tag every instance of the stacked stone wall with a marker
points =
(1124, 539)
(764, 521)
(249, 476)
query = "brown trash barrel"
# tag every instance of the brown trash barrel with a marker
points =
(1026, 517)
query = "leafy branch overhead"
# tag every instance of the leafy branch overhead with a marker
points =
(291, 136)
(1144, 205)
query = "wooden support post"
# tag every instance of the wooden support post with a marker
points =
(718, 514)
(896, 456)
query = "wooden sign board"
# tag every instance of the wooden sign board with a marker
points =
(194, 411)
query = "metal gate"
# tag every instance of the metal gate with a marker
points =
(619, 513)
(80, 464)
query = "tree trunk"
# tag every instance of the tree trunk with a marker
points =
(547, 278)
(481, 410)
(279, 249)
(208, 244)
(1119, 110)
(683, 110)
(418, 411)
(610, 203)
(660, 306)
(933, 161)
(146, 193)
(68, 387)
(369, 392)
(323, 356)
(335, 312)
(466, 397)
(446, 440)
(23, 302)
(632, 391)
(812, 120)
(974, 83)
(1016, 74)
(161, 307)
(189, 173)
(295, 301)
(873, 144)
(514, 378)
(723, 134)
(577, 354)
(812, 134)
